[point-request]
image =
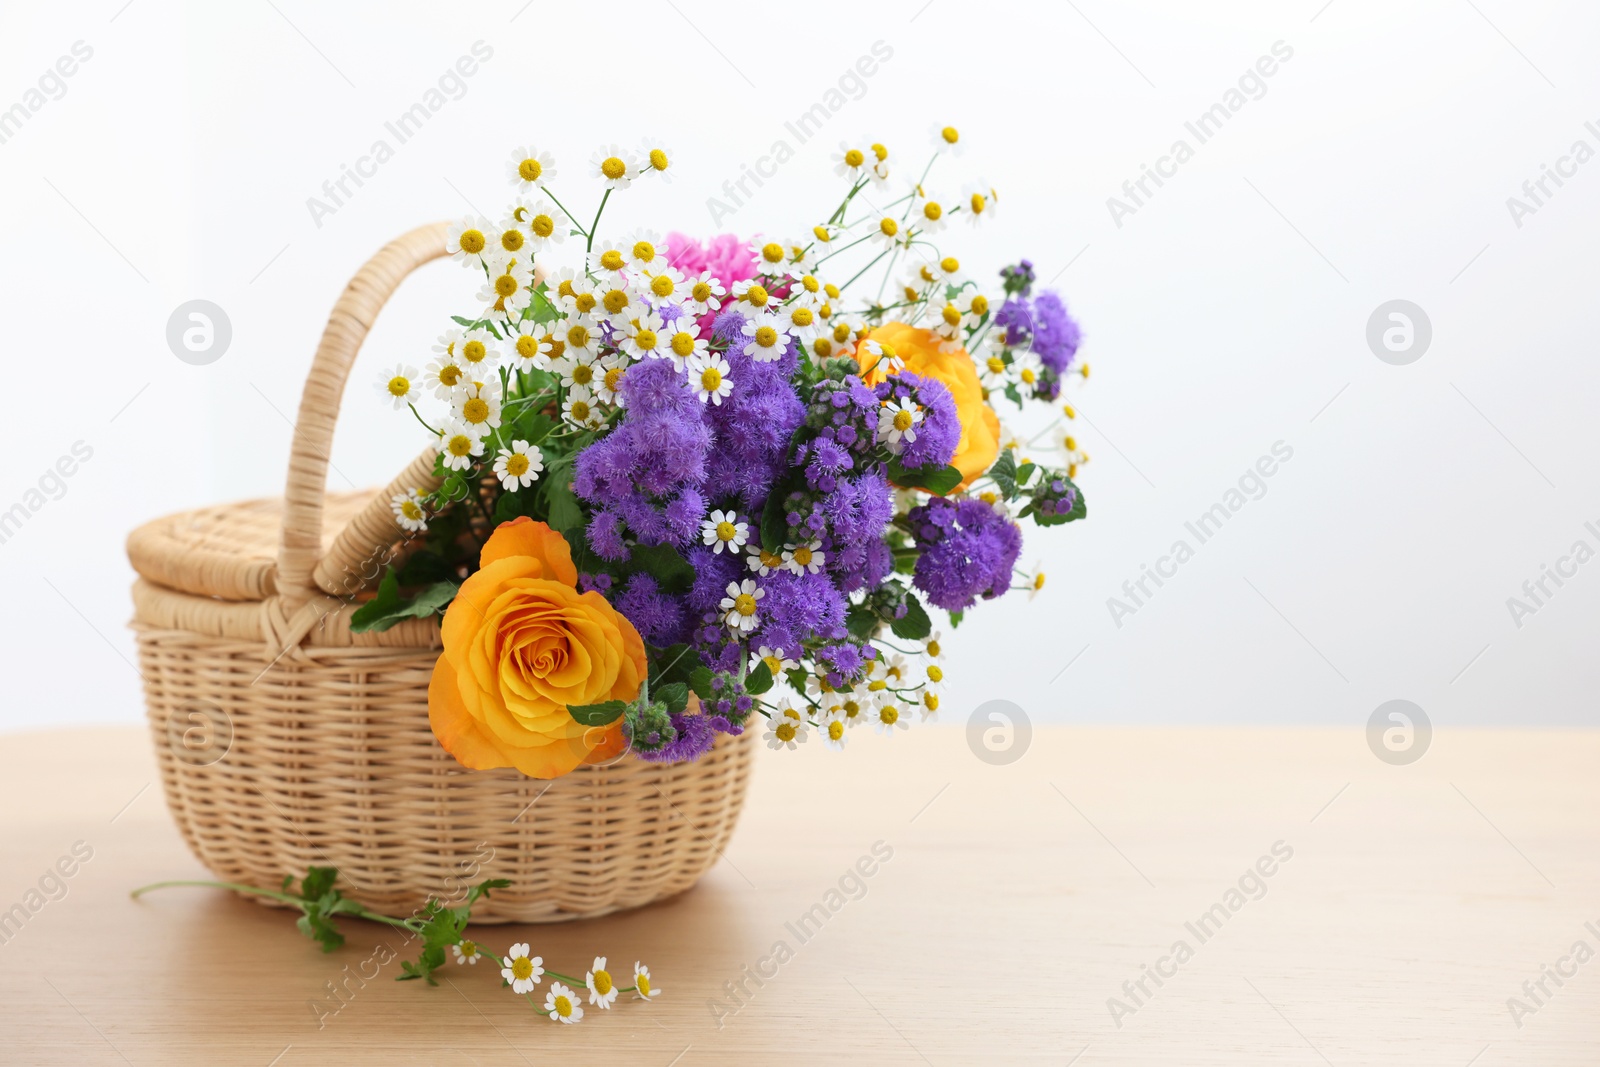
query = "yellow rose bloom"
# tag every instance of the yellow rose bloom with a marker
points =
(521, 644)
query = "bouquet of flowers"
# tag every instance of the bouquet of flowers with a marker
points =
(684, 484)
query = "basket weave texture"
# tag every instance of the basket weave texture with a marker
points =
(286, 741)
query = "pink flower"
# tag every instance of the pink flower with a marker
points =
(729, 259)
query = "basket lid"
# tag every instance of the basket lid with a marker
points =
(228, 551)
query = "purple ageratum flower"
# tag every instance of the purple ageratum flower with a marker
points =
(712, 573)
(753, 426)
(1055, 333)
(695, 735)
(658, 617)
(797, 607)
(859, 509)
(968, 551)
(858, 565)
(940, 429)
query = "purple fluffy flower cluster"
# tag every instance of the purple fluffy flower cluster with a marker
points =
(940, 429)
(968, 551)
(1042, 324)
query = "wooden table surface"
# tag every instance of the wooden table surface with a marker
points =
(1404, 908)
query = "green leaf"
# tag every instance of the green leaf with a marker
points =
(1004, 473)
(318, 881)
(914, 625)
(532, 426)
(675, 695)
(797, 679)
(388, 608)
(774, 520)
(759, 680)
(565, 512)
(936, 480)
(861, 622)
(602, 714)
(1025, 472)
(670, 664)
(543, 310)
(482, 889)
(1013, 394)
(665, 565)
(700, 682)
(470, 324)
(955, 618)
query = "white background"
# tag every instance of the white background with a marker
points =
(1227, 314)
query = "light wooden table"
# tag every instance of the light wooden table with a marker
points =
(1018, 901)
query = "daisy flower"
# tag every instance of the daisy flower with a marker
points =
(476, 407)
(879, 174)
(928, 214)
(767, 338)
(459, 446)
(408, 513)
(784, 732)
(950, 320)
(947, 140)
(946, 269)
(890, 717)
(798, 259)
(935, 676)
(800, 321)
(1036, 580)
(930, 707)
(509, 289)
(538, 219)
(529, 167)
(886, 355)
(607, 260)
(682, 347)
(751, 297)
(531, 347)
(1025, 367)
(708, 377)
(662, 283)
(655, 157)
(644, 248)
(807, 290)
(771, 257)
(826, 232)
(886, 233)
(518, 467)
(724, 532)
(468, 239)
(446, 344)
(705, 294)
(974, 305)
(613, 165)
(467, 952)
(739, 606)
(602, 990)
(509, 237)
(641, 982)
(803, 558)
(578, 368)
(444, 376)
(934, 649)
(398, 385)
(561, 1004)
(979, 199)
(644, 337)
(476, 352)
(574, 291)
(581, 336)
(849, 708)
(761, 561)
(774, 658)
(832, 731)
(849, 162)
(580, 409)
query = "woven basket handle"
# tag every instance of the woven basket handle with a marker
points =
(300, 548)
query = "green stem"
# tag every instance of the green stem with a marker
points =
(595, 225)
(863, 270)
(272, 893)
(843, 248)
(420, 419)
(564, 211)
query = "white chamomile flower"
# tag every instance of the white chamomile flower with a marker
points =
(561, 1004)
(606, 261)
(927, 215)
(580, 409)
(540, 221)
(723, 531)
(655, 158)
(447, 342)
(946, 269)
(613, 165)
(891, 716)
(930, 707)
(510, 237)
(529, 167)
(608, 386)
(476, 407)
(774, 658)
(825, 233)
(935, 676)
(886, 232)
(767, 338)
(581, 336)
(885, 359)
(477, 353)
(398, 385)
(642, 987)
(785, 732)
(408, 511)
(1066, 442)
(892, 670)
(994, 369)
(851, 708)
(761, 561)
(705, 294)
(617, 297)
(879, 174)
(739, 606)
(682, 346)
(772, 257)
(807, 290)
(662, 284)
(468, 952)
(459, 446)
(1036, 580)
(978, 200)
(602, 990)
(1025, 367)
(708, 377)
(518, 467)
(444, 376)
(803, 559)
(934, 648)
(530, 347)
(468, 240)
(850, 161)
(509, 288)
(947, 140)
(645, 250)
(798, 258)
(973, 306)
(800, 320)
(751, 297)
(578, 368)
(832, 731)
(574, 291)
(644, 337)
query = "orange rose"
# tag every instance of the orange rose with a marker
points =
(980, 426)
(521, 644)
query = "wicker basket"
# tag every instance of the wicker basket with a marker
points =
(285, 740)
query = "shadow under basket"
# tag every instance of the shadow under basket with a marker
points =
(285, 741)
